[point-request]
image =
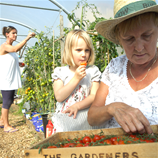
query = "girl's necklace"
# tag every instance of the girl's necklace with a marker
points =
(146, 73)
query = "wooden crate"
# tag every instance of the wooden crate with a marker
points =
(144, 150)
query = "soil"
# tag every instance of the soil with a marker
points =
(12, 145)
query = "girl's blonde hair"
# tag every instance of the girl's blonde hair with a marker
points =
(129, 24)
(7, 30)
(70, 40)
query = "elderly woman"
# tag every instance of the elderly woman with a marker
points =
(128, 93)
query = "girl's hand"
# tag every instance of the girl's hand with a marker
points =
(72, 110)
(80, 72)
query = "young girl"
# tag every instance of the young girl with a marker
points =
(75, 84)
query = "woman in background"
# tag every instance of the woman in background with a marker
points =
(10, 79)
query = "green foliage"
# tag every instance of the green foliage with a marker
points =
(40, 63)
(20, 108)
(104, 49)
(84, 20)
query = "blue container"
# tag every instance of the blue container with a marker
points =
(35, 117)
(41, 128)
(37, 124)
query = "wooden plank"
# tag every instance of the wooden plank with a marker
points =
(112, 151)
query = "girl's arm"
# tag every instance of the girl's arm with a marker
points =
(84, 103)
(89, 100)
(62, 91)
(9, 48)
(129, 118)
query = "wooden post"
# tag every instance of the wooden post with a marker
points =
(61, 35)
(53, 66)
(53, 52)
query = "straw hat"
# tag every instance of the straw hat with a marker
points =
(124, 9)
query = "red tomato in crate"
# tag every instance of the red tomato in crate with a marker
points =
(107, 141)
(118, 142)
(79, 141)
(133, 136)
(87, 144)
(69, 145)
(52, 147)
(113, 139)
(79, 145)
(86, 139)
(96, 137)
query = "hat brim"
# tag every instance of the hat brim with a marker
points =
(106, 28)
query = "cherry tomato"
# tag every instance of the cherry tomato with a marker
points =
(129, 142)
(87, 144)
(149, 141)
(114, 139)
(28, 88)
(23, 64)
(69, 145)
(133, 136)
(86, 139)
(52, 147)
(102, 136)
(26, 92)
(136, 139)
(115, 142)
(79, 145)
(66, 145)
(121, 142)
(107, 141)
(79, 141)
(96, 137)
(84, 63)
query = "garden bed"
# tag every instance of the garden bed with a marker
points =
(12, 145)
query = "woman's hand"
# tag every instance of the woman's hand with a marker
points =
(21, 64)
(30, 35)
(130, 119)
(72, 110)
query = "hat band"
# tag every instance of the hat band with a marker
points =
(134, 7)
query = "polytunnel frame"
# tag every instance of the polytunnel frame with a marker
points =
(16, 22)
(22, 24)
(52, 1)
